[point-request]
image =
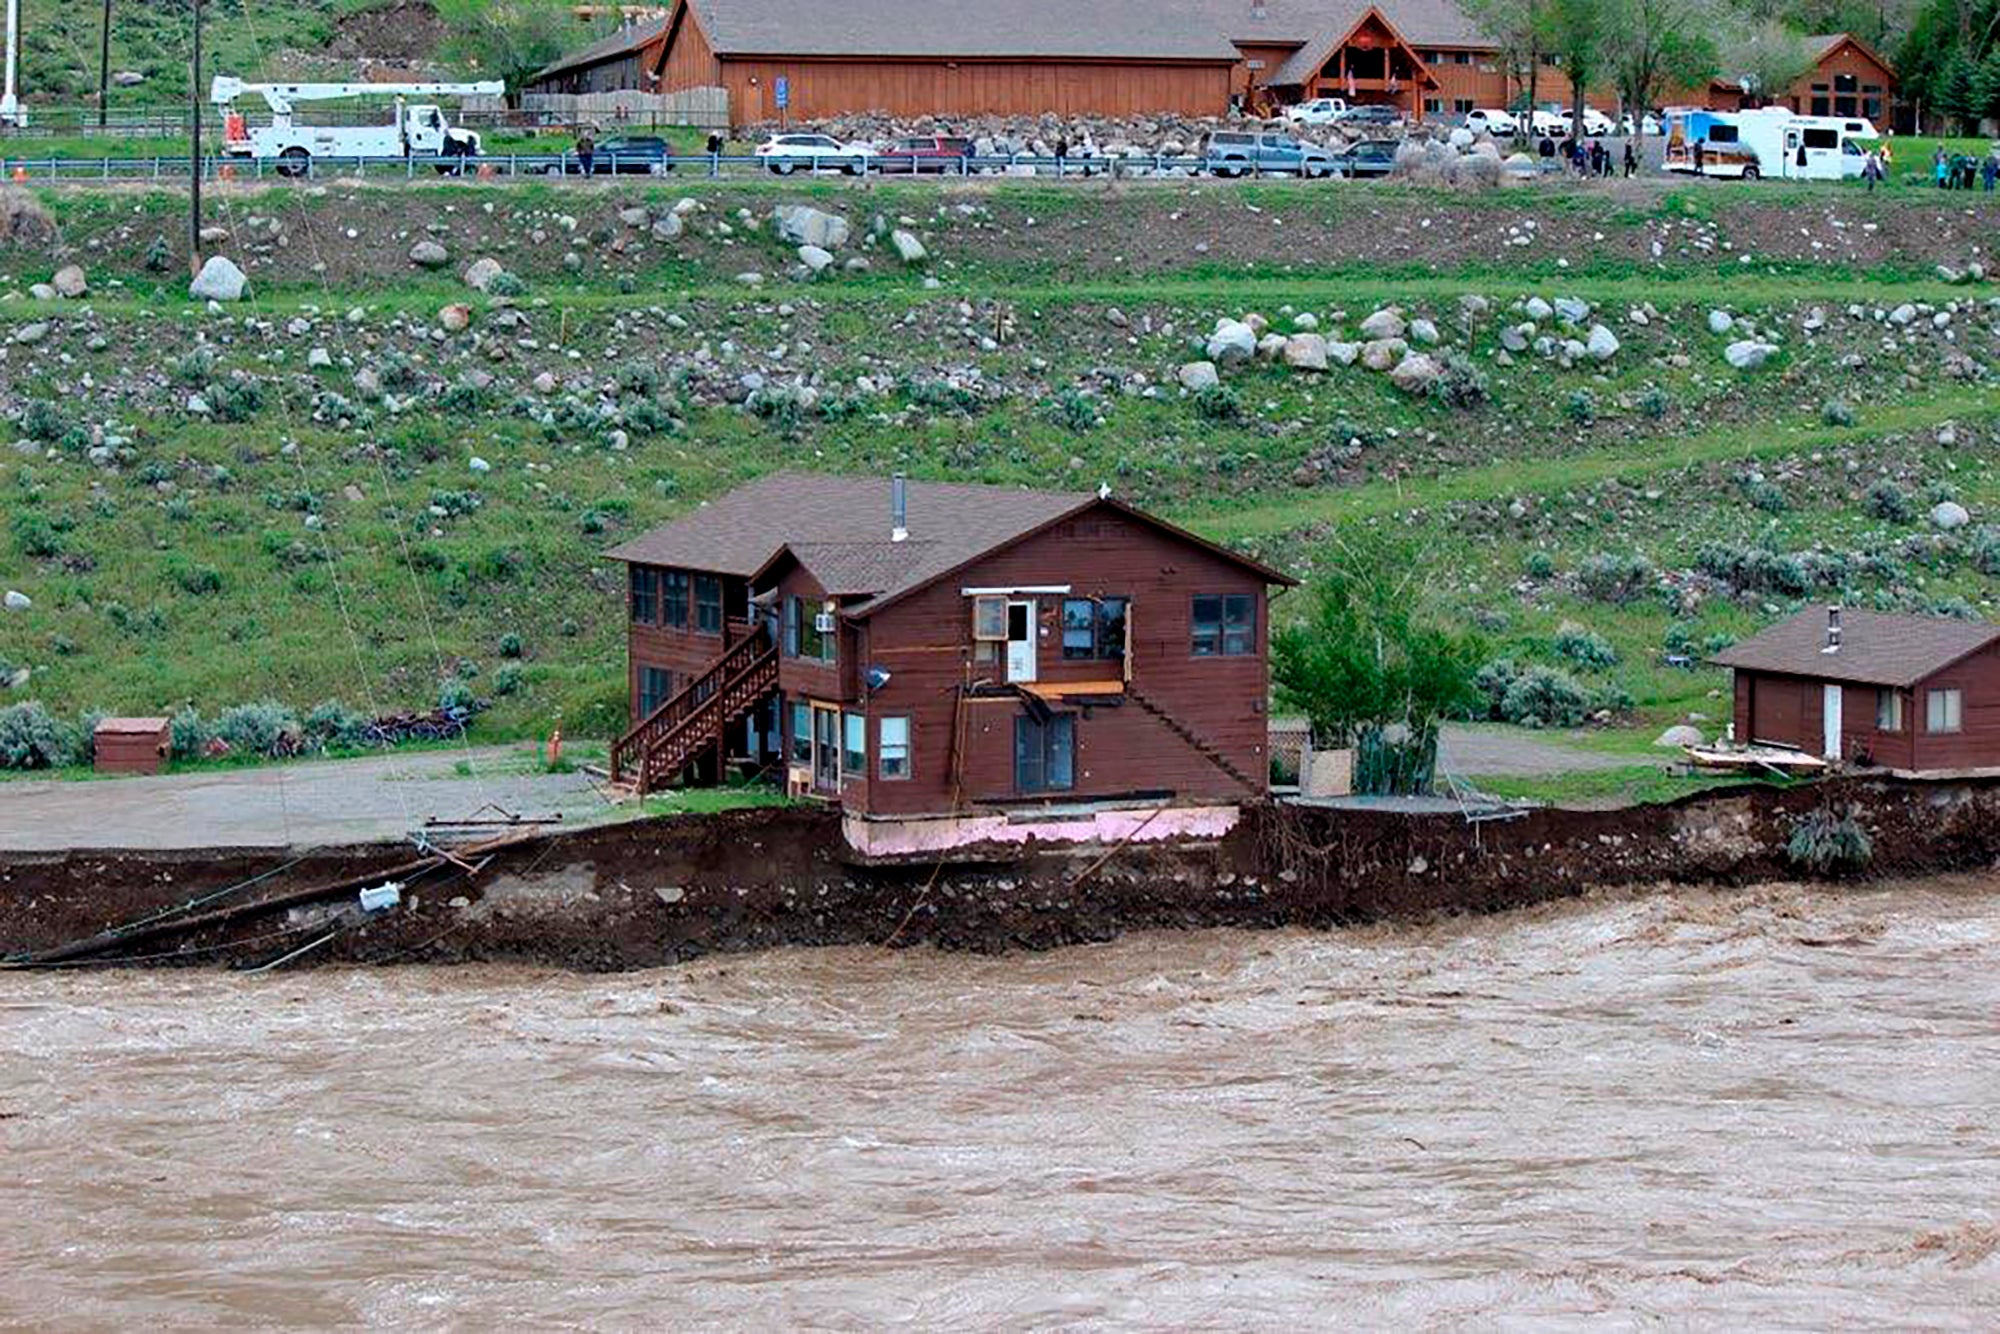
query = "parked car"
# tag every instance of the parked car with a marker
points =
(1543, 121)
(933, 152)
(1372, 113)
(1649, 123)
(1250, 152)
(1319, 111)
(786, 153)
(1492, 120)
(1370, 157)
(624, 155)
(1595, 122)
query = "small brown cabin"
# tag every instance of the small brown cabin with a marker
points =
(1911, 693)
(911, 650)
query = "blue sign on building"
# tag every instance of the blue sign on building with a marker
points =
(783, 88)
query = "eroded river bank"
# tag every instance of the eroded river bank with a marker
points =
(1768, 1106)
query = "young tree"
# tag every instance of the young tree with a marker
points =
(1652, 46)
(1573, 32)
(1515, 27)
(1376, 666)
(1766, 58)
(511, 39)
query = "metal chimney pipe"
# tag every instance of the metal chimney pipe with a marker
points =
(899, 509)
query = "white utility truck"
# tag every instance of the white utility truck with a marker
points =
(416, 131)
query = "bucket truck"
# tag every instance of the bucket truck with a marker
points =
(417, 131)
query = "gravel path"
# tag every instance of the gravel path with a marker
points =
(284, 805)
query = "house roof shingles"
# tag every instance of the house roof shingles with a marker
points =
(838, 529)
(1101, 29)
(1875, 649)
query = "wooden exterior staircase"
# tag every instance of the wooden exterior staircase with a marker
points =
(658, 750)
(1194, 741)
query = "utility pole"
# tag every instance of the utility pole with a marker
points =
(194, 143)
(104, 70)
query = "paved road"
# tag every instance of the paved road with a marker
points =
(284, 805)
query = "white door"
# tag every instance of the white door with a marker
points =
(1830, 722)
(1021, 641)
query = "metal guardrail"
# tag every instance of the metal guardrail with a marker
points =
(60, 170)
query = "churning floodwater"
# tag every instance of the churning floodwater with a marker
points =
(1774, 1107)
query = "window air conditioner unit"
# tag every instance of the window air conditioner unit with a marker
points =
(823, 622)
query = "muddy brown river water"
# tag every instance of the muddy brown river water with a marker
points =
(1764, 1108)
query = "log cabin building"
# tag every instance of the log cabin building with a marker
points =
(948, 663)
(1847, 79)
(1912, 694)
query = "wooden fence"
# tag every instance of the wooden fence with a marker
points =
(703, 108)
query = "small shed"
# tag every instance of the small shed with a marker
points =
(1910, 693)
(132, 745)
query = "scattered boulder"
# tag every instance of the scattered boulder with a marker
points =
(30, 334)
(1305, 352)
(1232, 342)
(1720, 321)
(219, 280)
(1572, 310)
(1903, 314)
(908, 248)
(1747, 354)
(1383, 353)
(1602, 343)
(1517, 337)
(479, 274)
(18, 601)
(455, 318)
(1949, 514)
(816, 258)
(428, 254)
(1344, 353)
(1416, 373)
(1423, 331)
(319, 359)
(1537, 309)
(70, 282)
(1681, 734)
(1196, 376)
(801, 224)
(669, 228)
(23, 219)
(634, 217)
(1385, 323)
(479, 465)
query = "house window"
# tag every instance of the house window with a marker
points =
(802, 733)
(1871, 107)
(1888, 711)
(1094, 627)
(1461, 106)
(1844, 83)
(1433, 106)
(1045, 753)
(793, 610)
(854, 743)
(892, 747)
(1225, 625)
(989, 617)
(707, 604)
(1943, 710)
(804, 634)
(674, 598)
(644, 608)
(1820, 106)
(656, 687)
(1461, 57)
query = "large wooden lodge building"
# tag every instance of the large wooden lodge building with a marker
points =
(940, 659)
(814, 59)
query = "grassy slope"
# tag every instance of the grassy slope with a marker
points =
(379, 599)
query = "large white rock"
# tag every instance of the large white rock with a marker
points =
(1747, 354)
(1305, 352)
(1270, 347)
(817, 258)
(801, 224)
(1416, 373)
(1385, 323)
(429, 254)
(1423, 331)
(1383, 353)
(669, 228)
(219, 280)
(481, 272)
(1344, 353)
(908, 248)
(1196, 376)
(1720, 321)
(1572, 310)
(1537, 309)
(1681, 734)
(1602, 343)
(1232, 342)
(1903, 314)
(1517, 337)
(18, 601)
(1950, 514)
(70, 282)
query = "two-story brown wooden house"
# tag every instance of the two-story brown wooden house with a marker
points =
(944, 660)
(1909, 693)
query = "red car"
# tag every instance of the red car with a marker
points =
(936, 152)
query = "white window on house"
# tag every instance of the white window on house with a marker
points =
(1943, 710)
(1888, 711)
(892, 747)
(854, 743)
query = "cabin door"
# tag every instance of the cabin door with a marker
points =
(1021, 640)
(1830, 721)
(826, 748)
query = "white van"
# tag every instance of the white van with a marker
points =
(1772, 142)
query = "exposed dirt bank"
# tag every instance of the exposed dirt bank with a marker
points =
(649, 893)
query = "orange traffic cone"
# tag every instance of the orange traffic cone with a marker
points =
(226, 172)
(20, 173)
(487, 171)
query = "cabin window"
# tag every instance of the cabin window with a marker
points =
(1045, 753)
(1845, 83)
(644, 607)
(1888, 711)
(708, 604)
(853, 743)
(1821, 138)
(1943, 710)
(802, 733)
(807, 639)
(1224, 625)
(892, 747)
(793, 611)
(1820, 105)
(1462, 58)
(1433, 106)
(989, 617)
(656, 687)
(1094, 627)
(1462, 106)
(674, 598)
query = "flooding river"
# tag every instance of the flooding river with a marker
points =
(1766, 1108)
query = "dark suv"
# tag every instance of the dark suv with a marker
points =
(624, 155)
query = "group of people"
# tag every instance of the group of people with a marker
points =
(1586, 159)
(1960, 171)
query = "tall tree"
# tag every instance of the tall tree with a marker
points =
(1652, 46)
(1765, 58)
(1515, 26)
(1376, 665)
(1573, 32)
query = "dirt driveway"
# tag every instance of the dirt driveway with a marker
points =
(286, 805)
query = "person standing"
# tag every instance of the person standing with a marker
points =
(1989, 172)
(1631, 160)
(1871, 170)
(586, 150)
(1700, 149)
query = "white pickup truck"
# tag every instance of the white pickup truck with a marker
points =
(1319, 111)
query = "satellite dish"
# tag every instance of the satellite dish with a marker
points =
(877, 677)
